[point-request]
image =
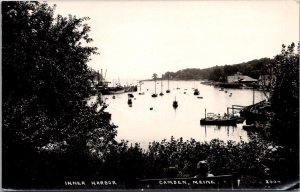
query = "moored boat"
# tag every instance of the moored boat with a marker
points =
(168, 90)
(216, 121)
(161, 87)
(175, 103)
(105, 90)
(251, 127)
(154, 77)
(257, 127)
(129, 102)
(213, 119)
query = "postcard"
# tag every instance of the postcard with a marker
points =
(150, 95)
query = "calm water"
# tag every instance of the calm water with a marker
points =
(140, 124)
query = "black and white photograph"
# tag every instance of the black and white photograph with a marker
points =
(150, 95)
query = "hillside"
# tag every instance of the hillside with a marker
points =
(253, 68)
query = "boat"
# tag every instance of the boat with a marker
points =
(129, 102)
(168, 90)
(175, 103)
(257, 127)
(250, 127)
(130, 88)
(104, 89)
(154, 94)
(141, 93)
(161, 86)
(230, 85)
(213, 119)
(196, 92)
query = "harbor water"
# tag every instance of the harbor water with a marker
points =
(137, 123)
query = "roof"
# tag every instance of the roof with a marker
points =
(247, 79)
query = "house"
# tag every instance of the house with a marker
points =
(240, 78)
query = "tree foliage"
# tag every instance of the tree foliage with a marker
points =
(253, 68)
(154, 76)
(285, 95)
(46, 84)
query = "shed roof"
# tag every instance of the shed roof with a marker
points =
(247, 79)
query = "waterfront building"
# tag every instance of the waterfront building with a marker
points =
(240, 78)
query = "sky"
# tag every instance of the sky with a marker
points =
(138, 38)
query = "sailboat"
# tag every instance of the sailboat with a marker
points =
(161, 85)
(154, 94)
(196, 92)
(141, 93)
(168, 90)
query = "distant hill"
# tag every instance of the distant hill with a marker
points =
(253, 68)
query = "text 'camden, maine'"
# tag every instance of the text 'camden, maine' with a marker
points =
(117, 95)
(185, 182)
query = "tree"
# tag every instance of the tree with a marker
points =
(217, 74)
(285, 95)
(154, 76)
(46, 85)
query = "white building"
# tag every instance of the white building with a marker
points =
(238, 77)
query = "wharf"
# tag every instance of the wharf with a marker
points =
(257, 112)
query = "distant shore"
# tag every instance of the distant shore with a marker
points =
(159, 79)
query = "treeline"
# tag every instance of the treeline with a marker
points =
(253, 69)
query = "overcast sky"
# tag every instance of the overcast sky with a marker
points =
(138, 38)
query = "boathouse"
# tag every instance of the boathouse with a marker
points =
(240, 78)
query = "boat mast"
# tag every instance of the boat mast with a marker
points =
(155, 85)
(161, 85)
(168, 80)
